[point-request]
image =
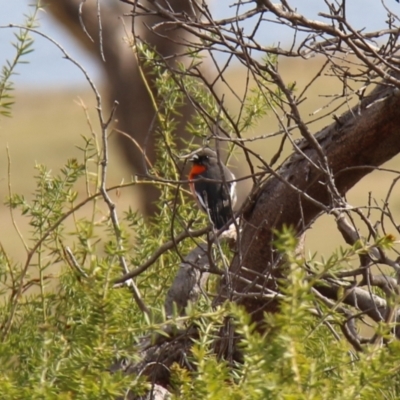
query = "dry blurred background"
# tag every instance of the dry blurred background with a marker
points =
(48, 118)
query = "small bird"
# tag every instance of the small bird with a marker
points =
(211, 184)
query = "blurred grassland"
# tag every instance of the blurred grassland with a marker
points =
(47, 126)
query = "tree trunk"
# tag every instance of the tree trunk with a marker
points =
(363, 138)
(135, 114)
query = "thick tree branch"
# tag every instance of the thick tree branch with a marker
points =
(364, 137)
(189, 281)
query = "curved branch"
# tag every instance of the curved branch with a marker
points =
(364, 137)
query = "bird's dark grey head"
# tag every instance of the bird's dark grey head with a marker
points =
(202, 155)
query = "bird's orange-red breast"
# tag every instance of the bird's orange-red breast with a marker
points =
(197, 169)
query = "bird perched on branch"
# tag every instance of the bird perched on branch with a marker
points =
(211, 183)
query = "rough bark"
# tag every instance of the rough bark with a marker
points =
(363, 138)
(189, 281)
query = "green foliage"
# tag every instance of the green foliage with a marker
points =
(23, 46)
(297, 357)
(62, 322)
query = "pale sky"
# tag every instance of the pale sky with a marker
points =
(48, 68)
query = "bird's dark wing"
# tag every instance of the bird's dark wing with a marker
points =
(216, 196)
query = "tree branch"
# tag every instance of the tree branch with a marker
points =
(364, 137)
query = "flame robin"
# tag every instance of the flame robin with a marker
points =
(212, 186)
